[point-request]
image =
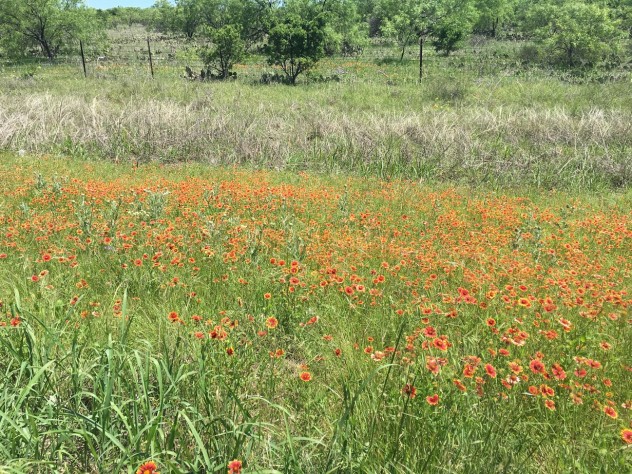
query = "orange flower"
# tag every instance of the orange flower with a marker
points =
(440, 344)
(524, 302)
(611, 412)
(550, 404)
(626, 435)
(468, 371)
(234, 467)
(547, 391)
(306, 376)
(433, 399)
(459, 385)
(537, 367)
(149, 467)
(490, 370)
(409, 390)
(272, 322)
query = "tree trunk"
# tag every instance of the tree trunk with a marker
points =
(47, 49)
(401, 57)
(421, 57)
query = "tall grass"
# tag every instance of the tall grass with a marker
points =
(500, 131)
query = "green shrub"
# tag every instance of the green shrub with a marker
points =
(227, 49)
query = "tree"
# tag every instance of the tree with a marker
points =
(448, 37)
(296, 43)
(347, 32)
(574, 33)
(492, 14)
(408, 21)
(50, 25)
(164, 16)
(226, 50)
(188, 17)
(193, 17)
(622, 12)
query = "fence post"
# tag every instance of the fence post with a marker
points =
(151, 63)
(83, 59)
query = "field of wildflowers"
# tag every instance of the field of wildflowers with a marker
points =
(187, 319)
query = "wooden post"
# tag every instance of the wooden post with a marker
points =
(83, 59)
(151, 62)
(421, 56)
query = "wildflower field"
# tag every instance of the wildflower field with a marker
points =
(190, 319)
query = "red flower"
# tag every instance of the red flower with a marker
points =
(459, 385)
(524, 302)
(440, 344)
(468, 371)
(490, 370)
(234, 467)
(558, 372)
(149, 467)
(409, 390)
(537, 367)
(626, 435)
(306, 376)
(433, 399)
(611, 412)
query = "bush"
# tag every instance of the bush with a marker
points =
(575, 34)
(227, 49)
(448, 39)
(296, 44)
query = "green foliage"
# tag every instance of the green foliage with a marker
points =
(188, 17)
(411, 21)
(128, 16)
(227, 49)
(574, 33)
(296, 43)
(450, 35)
(192, 17)
(492, 14)
(50, 26)
(347, 32)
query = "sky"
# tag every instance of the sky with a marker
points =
(105, 4)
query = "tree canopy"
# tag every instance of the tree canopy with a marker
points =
(50, 26)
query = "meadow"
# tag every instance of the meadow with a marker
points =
(353, 275)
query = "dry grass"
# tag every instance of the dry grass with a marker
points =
(329, 128)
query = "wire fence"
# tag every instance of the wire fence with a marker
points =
(171, 56)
